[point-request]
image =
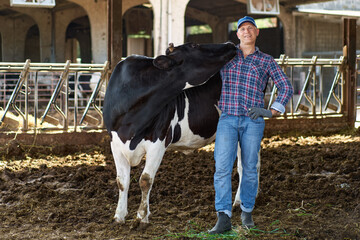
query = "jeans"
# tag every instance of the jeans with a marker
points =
(232, 130)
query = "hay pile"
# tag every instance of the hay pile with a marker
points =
(14, 122)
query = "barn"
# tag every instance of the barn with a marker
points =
(57, 174)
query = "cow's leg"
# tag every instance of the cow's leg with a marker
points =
(153, 160)
(237, 201)
(122, 180)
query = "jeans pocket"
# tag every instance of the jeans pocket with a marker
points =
(258, 120)
(224, 116)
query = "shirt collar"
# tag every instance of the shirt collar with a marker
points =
(240, 52)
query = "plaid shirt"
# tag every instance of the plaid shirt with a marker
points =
(244, 82)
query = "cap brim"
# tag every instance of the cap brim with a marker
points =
(245, 22)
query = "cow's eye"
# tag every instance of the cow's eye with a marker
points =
(194, 45)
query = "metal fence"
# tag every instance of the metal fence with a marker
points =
(51, 96)
(318, 86)
(55, 96)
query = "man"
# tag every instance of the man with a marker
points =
(244, 79)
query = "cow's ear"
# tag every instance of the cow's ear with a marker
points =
(164, 62)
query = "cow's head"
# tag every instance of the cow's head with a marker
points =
(195, 63)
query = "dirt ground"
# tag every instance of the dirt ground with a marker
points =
(309, 189)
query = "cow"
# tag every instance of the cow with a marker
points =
(155, 104)
(83, 86)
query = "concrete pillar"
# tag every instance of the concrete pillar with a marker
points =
(45, 28)
(160, 32)
(97, 12)
(169, 23)
(288, 21)
(176, 21)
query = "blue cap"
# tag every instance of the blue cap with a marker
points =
(246, 19)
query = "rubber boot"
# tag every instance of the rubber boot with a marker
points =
(222, 225)
(247, 220)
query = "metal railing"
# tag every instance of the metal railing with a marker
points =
(65, 95)
(318, 85)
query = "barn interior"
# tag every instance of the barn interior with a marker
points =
(57, 172)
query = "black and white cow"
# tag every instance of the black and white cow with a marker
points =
(152, 105)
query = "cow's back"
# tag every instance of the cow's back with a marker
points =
(127, 83)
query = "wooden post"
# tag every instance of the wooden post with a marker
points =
(114, 32)
(350, 58)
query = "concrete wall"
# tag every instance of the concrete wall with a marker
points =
(317, 35)
(320, 36)
(43, 19)
(13, 38)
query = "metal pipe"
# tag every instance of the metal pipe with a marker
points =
(306, 83)
(36, 100)
(15, 93)
(96, 92)
(76, 100)
(57, 90)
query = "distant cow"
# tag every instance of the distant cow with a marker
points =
(153, 104)
(83, 85)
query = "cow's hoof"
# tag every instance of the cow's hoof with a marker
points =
(137, 224)
(119, 220)
(142, 226)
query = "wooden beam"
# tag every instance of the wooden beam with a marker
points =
(114, 32)
(200, 15)
(293, 3)
(241, 1)
(350, 83)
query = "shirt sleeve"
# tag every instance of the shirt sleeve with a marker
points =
(284, 87)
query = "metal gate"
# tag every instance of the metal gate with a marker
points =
(51, 96)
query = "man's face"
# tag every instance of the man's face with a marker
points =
(247, 33)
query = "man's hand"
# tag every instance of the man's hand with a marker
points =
(256, 112)
(275, 113)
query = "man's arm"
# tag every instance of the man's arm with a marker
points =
(285, 89)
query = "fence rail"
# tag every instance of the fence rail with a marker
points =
(16, 66)
(55, 91)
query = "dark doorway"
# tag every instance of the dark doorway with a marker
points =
(78, 40)
(32, 44)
